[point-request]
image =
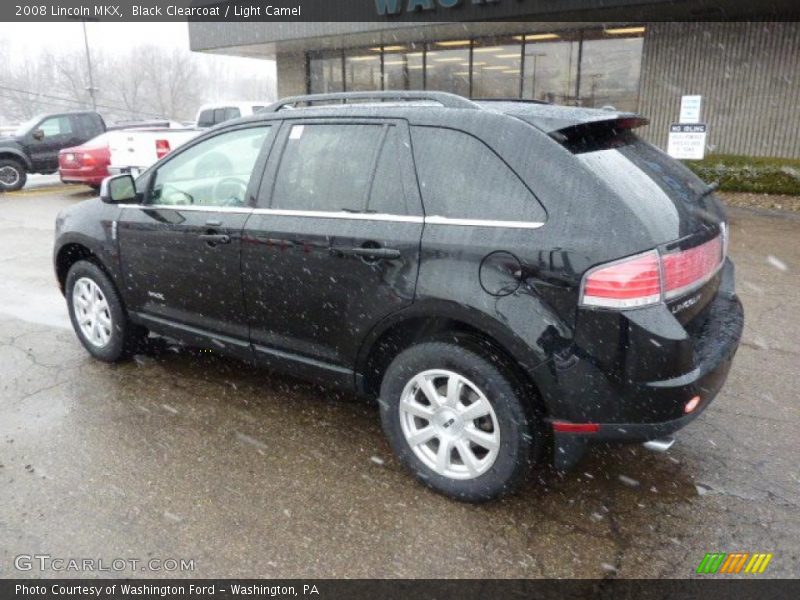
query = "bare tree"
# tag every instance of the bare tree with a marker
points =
(145, 82)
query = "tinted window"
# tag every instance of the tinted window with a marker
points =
(214, 172)
(219, 115)
(327, 167)
(387, 194)
(460, 177)
(232, 113)
(206, 118)
(89, 126)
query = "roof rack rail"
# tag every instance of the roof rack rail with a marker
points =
(444, 98)
(522, 100)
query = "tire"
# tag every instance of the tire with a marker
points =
(510, 429)
(12, 175)
(108, 333)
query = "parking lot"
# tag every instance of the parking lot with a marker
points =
(182, 454)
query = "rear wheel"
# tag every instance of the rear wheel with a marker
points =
(459, 421)
(12, 175)
(98, 316)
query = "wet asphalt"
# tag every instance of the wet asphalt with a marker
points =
(182, 454)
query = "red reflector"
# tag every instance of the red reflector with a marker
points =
(635, 281)
(162, 148)
(562, 427)
(687, 268)
(691, 405)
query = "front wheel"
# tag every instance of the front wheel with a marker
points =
(98, 316)
(12, 175)
(459, 421)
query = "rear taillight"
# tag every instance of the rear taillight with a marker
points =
(162, 148)
(87, 159)
(651, 277)
(687, 269)
(627, 283)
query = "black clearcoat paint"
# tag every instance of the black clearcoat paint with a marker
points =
(287, 292)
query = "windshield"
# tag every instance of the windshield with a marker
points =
(27, 125)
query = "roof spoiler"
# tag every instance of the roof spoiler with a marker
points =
(599, 134)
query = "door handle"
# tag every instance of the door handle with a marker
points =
(212, 239)
(368, 253)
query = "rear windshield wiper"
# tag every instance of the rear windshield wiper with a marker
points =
(712, 187)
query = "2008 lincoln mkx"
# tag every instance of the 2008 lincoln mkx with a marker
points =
(507, 278)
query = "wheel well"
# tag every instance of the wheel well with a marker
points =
(413, 331)
(14, 157)
(67, 256)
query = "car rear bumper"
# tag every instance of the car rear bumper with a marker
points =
(715, 340)
(83, 176)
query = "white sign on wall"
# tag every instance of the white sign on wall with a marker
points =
(687, 141)
(690, 109)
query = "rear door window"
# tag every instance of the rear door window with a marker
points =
(460, 177)
(232, 112)
(327, 167)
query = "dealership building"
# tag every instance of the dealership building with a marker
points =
(747, 73)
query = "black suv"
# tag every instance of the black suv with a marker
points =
(35, 145)
(505, 277)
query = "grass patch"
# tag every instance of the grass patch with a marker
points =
(749, 174)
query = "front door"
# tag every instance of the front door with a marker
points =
(180, 249)
(333, 245)
(54, 133)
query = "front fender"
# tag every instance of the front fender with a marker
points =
(18, 154)
(88, 227)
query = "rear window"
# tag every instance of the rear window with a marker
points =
(641, 171)
(460, 177)
(232, 113)
(206, 118)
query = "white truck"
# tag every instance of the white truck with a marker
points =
(133, 150)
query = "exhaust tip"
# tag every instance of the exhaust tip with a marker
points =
(660, 444)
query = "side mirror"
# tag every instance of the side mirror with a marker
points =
(38, 135)
(118, 188)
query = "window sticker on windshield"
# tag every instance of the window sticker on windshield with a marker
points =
(297, 132)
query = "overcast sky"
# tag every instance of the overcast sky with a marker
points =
(105, 38)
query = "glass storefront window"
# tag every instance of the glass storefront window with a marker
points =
(551, 70)
(447, 67)
(362, 70)
(325, 73)
(496, 68)
(402, 67)
(610, 69)
(592, 67)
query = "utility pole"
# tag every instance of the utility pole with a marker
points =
(91, 89)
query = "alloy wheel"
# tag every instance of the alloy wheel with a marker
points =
(9, 176)
(92, 312)
(450, 424)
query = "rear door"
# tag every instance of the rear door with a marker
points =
(180, 249)
(333, 246)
